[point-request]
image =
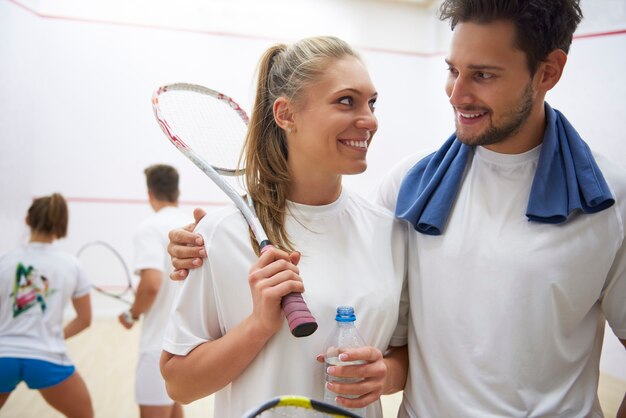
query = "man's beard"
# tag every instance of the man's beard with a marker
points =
(512, 124)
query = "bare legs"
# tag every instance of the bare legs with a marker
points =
(173, 411)
(70, 397)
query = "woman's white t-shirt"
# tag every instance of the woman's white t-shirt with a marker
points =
(353, 253)
(36, 284)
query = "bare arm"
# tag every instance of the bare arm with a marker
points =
(214, 364)
(186, 248)
(147, 291)
(397, 361)
(82, 306)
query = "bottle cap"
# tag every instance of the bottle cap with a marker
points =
(345, 314)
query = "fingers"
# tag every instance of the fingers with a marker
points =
(178, 275)
(122, 321)
(198, 214)
(279, 277)
(294, 257)
(370, 376)
(184, 237)
(186, 250)
(269, 255)
(272, 277)
(188, 263)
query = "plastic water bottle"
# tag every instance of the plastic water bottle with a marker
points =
(344, 336)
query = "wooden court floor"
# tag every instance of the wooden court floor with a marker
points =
(106, 354)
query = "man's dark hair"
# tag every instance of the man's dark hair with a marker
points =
(542, 25)
(162, 181)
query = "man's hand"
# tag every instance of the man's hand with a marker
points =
(126, 319)
(186, 248)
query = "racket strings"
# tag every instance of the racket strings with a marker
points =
(105, 268)
(210, 125)
(293, 412)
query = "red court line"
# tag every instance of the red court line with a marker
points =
(601, 34)
(119, 201)
(265, 38)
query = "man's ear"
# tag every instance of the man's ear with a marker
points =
(550, 70)
(283, 113)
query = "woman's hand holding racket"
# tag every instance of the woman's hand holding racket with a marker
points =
(274, 275)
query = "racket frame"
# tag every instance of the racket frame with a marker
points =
(301, 321)
(119, 257)
(300, 402)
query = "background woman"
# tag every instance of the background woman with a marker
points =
(36, 284)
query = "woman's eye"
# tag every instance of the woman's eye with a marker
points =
(372, 104)
(347, 100)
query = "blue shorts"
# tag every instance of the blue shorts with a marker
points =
(37, 374)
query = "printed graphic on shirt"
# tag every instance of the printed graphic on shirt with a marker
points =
(29, 290)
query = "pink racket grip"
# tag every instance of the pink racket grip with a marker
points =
(301, 321)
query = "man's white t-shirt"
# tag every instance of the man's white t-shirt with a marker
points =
(353, 253)
(36, 284)
(508, 315)
(150, 243)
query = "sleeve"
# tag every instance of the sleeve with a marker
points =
(400, 334)
(149, 249)
(83, 285)
(614, 292)
(194, 318)
(613, 305)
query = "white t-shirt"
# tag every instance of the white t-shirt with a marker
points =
(353, 253)
(508, 315)
(36, 284)
(150, 243)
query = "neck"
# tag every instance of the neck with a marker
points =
(41, 237)
(315, 191)
(157, 205)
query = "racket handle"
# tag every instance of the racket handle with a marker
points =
(301, 321)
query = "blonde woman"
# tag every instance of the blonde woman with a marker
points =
(313, 122)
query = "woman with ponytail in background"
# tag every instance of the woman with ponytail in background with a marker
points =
(313, 121)
(36, 283)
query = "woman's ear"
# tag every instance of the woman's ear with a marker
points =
(283, 113)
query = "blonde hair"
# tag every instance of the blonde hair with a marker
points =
(49, 215)
(284, 71)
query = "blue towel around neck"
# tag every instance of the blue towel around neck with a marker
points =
(567, 179)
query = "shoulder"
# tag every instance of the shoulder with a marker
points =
(357, 203)
(222, 223)
(400, 169)
(386, 193)
(614, 174)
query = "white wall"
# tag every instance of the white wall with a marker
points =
(76, 82)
